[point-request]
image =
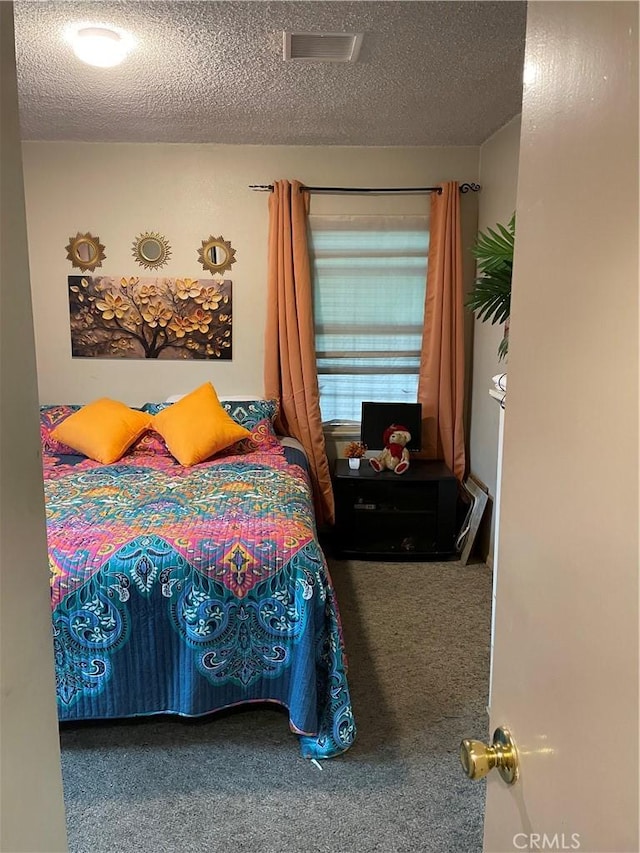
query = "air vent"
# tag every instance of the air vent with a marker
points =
(321, 47)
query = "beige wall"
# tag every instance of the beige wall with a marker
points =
(31, 808)
(499, 177)
(187, 192)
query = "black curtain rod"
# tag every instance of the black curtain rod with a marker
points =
(464, 188)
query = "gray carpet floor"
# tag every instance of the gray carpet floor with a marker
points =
(417, 636)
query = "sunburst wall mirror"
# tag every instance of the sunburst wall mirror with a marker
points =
(216, 255)
(85, 251)
(151, 250)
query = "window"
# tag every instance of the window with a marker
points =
(369, 282)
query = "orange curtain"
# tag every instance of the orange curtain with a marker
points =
(290, 356)
(441, 382)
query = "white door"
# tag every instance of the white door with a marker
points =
(565, 667)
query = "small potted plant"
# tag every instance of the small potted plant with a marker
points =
(354, 451)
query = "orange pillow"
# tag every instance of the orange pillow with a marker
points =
(102, 430)
(197, 427)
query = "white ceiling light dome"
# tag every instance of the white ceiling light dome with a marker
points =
(100, 45)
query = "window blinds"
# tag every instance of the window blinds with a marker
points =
(369, 280)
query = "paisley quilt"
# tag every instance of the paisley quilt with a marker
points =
(187, 590)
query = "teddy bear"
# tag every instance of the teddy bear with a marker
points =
(395, 455)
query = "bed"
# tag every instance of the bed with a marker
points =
(188, 590)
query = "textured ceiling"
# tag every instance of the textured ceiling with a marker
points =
(429, 73)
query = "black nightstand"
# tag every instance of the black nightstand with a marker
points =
(387, 516)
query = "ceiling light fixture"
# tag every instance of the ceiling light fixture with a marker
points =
(98, 45)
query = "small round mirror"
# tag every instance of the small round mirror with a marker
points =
(85, 251)
(151, 250)
(216, 255)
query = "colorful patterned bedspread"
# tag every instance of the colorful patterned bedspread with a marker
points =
(187, 590)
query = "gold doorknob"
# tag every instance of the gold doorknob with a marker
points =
(477, 758)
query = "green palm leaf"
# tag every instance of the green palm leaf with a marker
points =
(490, 298)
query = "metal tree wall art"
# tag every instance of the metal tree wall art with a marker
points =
(166, 318)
